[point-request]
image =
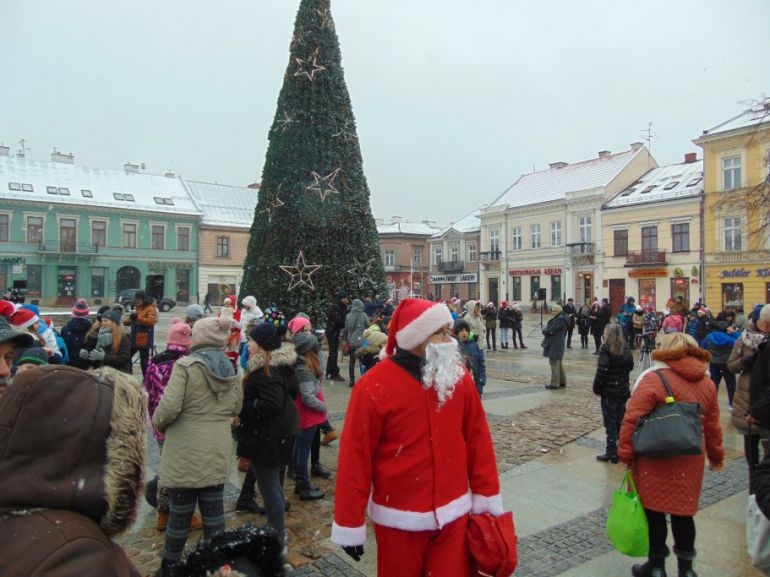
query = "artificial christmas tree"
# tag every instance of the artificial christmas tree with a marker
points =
(313, 233)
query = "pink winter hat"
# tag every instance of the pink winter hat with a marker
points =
(179, 334)
(297, 324)
(212, 331)
(80, 310)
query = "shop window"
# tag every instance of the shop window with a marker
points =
(646, 292)
(97, 282)
(534, 286)
(620, 242)
(732, 295)
(67, 283)
(182, 285)
(4, 277)
(34, 280)
(515, 288)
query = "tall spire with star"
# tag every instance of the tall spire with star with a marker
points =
(313, 232)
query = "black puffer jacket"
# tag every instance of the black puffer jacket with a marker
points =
(612, 373)
(74, 335)
(505, 316)
(269, 416)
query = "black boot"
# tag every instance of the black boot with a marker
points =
(655, 566)
(308, 492)
(607, 458)
(684, 561)
(318, 470)
(151, 492)
(249, 504)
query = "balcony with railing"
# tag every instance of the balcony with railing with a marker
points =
(451, 266)
(645, 258)
(580, 249)
(50, 247)
(490, 256)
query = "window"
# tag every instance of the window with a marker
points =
(620, 242)
(695, 181)
(14, 186)
(34, 229)
(516, 238)
(417, 256)
(5, 227)
(64, 191)
(128, 197)
(515, 288)
(390, 257)
(555, 286)
(680, 234)
(733, 233)
(534, 232)
(99, 233)
(471, 245)
(164, 200)
(671, 185)
(556, 233)
(118, 196)
(731, 172)
(182, 285)
(649, 239)
(129, 235)
(438, 254)
(52, 189)
(97, 282)
(534, 286)
(648, 189)
(34, 280)
(183, 238)
(27, 187)
(223, 247)
(732, 295)
(68, 234)
(584, 227)
(158, 232)
(454, 251)
(494, 240)
(67, 283)
(629, 191)
(86, 193)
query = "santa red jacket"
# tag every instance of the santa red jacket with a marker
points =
(418, 466)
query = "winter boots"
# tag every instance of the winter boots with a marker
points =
(655, 566)
(330, 437)
(684, 561)
(318, 470)
(306, 491)
(607, 458)
(249, 504)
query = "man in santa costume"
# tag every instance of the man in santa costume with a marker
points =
(416, 449)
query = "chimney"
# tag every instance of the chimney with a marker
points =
(396, 219)
(254, 185)
(557, 165)
(170, 174)
(131, 168)
(604, 154)
(690, 157)
(636, 146)
(5, 150)
(62, 158)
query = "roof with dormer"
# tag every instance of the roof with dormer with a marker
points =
(670, 182)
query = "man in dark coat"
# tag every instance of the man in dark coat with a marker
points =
(553, 346)
(571, 313)
(335, 322)
(83, 485)
(758, 412)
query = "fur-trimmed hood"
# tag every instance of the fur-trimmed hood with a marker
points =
(285, 356)
(691, 363)
(89, 456)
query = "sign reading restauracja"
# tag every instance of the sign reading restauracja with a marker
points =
(534, 271)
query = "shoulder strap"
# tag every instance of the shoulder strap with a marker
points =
(665, 384)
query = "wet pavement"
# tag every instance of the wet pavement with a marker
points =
(545, 442)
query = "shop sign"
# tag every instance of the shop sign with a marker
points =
(763, 272)
(453, 278)
(649, 273)
(734, 273)
(12, 260)
(552, 271)
(18, 269)
(678, 272)
(693, 281)
(534, 271)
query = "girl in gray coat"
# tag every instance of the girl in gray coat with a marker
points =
(356, 322)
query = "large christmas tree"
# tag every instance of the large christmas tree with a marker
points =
(313, 233)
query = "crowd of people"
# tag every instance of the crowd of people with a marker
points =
(255, 377)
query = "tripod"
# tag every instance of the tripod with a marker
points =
(542, 307)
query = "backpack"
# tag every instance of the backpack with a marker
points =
(65, 356)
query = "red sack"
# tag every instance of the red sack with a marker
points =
(492, 545)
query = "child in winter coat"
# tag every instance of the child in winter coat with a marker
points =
(472, 353)
(369, 352)
(720, 344)
(75, 331)
(24, 319)
(637, 321)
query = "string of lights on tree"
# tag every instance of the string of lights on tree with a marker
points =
(313, 233)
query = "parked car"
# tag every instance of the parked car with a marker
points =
(126, 298)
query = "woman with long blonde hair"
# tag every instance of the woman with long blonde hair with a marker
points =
(611, 383)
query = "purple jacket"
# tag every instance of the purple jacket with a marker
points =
(158, 373)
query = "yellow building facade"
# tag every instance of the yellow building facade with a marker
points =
(736, 192)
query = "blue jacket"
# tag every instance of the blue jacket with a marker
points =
(474, 358)
(720, 345)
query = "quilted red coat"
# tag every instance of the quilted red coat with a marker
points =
(672, 484)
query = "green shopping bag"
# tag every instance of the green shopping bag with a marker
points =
(627, 521)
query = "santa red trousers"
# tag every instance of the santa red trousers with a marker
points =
(442, 553)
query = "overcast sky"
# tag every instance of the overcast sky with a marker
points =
(454, 99)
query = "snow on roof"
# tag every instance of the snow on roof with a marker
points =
(469, 223)
(660, 184)
(71, 184)
(758, 114)
(555, 183)
(224, 205)
(415, 228)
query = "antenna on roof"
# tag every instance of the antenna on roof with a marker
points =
(22, 151)
(648, 138)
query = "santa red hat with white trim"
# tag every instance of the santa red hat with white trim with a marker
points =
(413, 322)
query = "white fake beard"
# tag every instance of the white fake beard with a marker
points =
(443, 369)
